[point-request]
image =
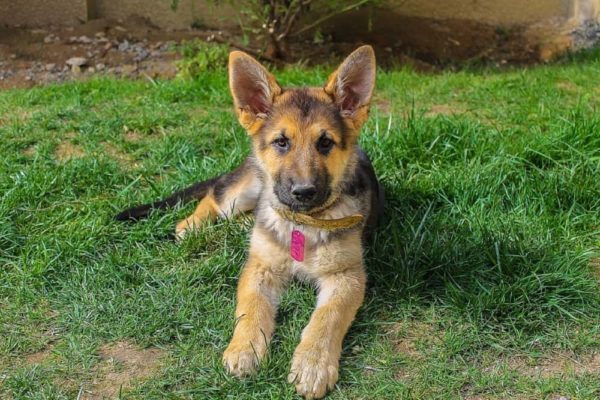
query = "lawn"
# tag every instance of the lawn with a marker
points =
(483, 277)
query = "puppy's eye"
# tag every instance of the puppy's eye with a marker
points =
(324, 144)
(281, 143)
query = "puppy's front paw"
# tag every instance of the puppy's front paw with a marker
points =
(314, 371)
(241, 359)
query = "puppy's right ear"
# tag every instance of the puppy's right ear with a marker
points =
(253, 89)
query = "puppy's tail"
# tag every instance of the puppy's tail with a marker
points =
(194, 192)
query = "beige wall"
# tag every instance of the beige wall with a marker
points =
(494, 12)
(499, 12)
(36, 13)
(581, 10)
(159, 12)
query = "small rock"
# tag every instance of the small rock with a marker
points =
(100, 67)
(91, 70)
(124, 46)
(77, 61)
(49, 67)
(100, 34)
(49, 39)
(129, 69)
(120, 28)
(84, 39)
(28, 78)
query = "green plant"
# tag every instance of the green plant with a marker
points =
(199, 56)
(275, 22)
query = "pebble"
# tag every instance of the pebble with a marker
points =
(77, 61)
(123, 46)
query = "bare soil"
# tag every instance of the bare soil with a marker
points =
(66, 151)
(134, 47)
(129, 48)
(121, 365)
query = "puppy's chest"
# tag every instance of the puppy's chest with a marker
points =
(313, 251)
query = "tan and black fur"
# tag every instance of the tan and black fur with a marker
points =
(304, 158)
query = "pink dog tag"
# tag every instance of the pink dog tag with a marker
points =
(297, 245)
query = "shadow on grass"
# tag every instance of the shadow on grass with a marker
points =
(488, 267)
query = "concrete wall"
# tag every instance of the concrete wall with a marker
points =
(493, 12)
(35, 13)
(159, 12)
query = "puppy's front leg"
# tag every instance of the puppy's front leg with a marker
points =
(259, 289)
(315, 364)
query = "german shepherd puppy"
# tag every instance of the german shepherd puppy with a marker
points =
(314, 193)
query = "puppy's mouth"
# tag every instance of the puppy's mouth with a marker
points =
(286, 200)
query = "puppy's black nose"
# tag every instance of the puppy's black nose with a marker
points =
(304, 192)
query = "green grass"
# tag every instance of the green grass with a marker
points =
(485, 267)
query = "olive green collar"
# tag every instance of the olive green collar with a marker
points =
(330, 225)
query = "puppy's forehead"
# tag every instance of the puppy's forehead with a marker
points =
(307, 105)
(304, 98)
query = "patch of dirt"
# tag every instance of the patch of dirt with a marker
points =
(444, 109)
(136, 48)
(130, 48)
(384, 105)
(596, 266)
(126, 160)
(567, 86)
(433, 41)
(406, 337)
(47, 338)
(133, 137)
(66, 151)
(552, 365)
(40, 357)
(29, 151)
(121, 365)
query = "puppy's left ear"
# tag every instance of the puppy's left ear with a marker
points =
(351, 85)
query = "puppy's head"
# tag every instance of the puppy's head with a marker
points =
(303, 138)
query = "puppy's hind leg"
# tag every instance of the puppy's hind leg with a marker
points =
(230, 194)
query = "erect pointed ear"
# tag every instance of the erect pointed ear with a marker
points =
(351, 85)
(253, 89)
